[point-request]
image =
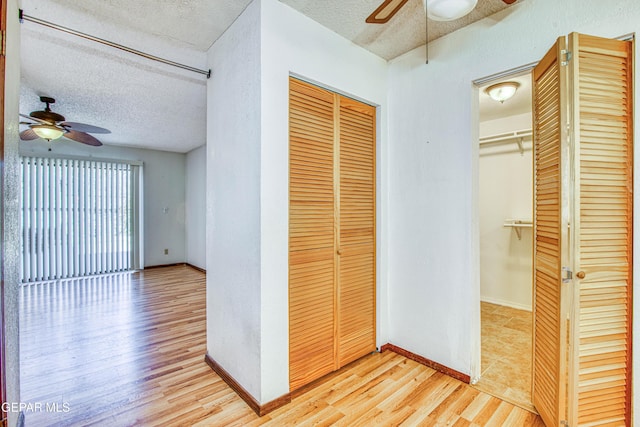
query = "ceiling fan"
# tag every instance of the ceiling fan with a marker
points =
(437, 10)
(48, 125)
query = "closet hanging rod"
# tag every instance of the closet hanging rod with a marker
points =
(518, 136)
(24, 17)
(507, 136)
(522, 223)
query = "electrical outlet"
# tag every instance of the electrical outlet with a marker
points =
(166, 251)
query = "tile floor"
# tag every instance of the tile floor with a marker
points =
(506, 354)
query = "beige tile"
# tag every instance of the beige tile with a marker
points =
(495, 347)
(512, 312)
(505, 380)
(491, 330)
(487, 363)
(487, 359)
(514, 339)
(506, 353)
(487, 308)
(521, 325)
(495, 318)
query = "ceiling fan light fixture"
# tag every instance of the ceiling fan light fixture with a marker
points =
(48, 132)
(502, 91)
(449, 10)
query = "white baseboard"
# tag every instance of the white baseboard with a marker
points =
(506, 303)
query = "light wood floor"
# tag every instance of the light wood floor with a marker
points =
(129, 350)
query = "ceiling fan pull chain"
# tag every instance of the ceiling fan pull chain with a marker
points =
(426, 30)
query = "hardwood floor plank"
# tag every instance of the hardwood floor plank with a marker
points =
(498, 418)
(487, 411)
(445, 412)
(127, 349)
(461, 422)
(473, 409)
(457, 404)
(428, 403)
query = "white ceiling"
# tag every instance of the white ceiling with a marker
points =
(152, 105)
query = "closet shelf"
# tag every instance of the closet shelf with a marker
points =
(518, 225)
(517, 136)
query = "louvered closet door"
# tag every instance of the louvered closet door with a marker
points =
(583, 185)
(331, 232)
(311, 233)
(550, 242)
(356, 240)
(601, 71)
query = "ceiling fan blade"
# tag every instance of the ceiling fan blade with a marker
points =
(28, 135)
(35, 119)
(82, 127)
(385, 11)
(82, 137)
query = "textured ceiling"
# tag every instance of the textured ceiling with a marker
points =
(404, 32)
(152, 105)
(195, 22)
(144, 103)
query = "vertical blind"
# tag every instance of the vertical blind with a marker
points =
(79, 217)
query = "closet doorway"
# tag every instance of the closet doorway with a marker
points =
(582, 235)
(505, 214)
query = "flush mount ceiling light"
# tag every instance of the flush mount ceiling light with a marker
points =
(448, 10)
(47, 132)
(502, 91)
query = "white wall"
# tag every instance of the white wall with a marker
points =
(164, 187)
(10, 227)
(434, 290)
(195, 207)
(233, 201)
(505, 193)
(247, 181)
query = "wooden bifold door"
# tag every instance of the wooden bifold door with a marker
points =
(331, 231)
(583, 212)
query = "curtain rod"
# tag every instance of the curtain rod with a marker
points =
(24, 17)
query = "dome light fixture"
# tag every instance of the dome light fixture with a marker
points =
(502, 91)
(448, 10)
(47, 132)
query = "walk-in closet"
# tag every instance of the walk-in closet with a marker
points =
(505, 212)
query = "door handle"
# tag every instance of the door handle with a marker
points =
(580, 275)
(339, 251)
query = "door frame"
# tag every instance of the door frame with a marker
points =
(476, 344)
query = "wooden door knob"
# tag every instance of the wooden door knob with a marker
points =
(339, 251)
(580, 275)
